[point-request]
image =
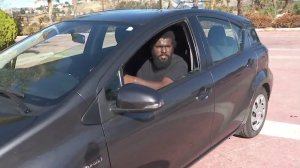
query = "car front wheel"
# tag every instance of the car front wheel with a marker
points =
(257, 116)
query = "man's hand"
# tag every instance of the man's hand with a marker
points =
(154, 85)
(129, 79)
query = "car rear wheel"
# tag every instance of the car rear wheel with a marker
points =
(257, 116)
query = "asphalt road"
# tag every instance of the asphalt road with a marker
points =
(278, 144)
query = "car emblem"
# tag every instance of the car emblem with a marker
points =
(94, 163)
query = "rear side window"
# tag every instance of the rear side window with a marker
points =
(222, 37)
(115, 35)
(253, 37)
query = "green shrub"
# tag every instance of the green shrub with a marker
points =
(269, 11)
(136, 5)
(8, 30)
(296, 8)
(224, 8)
(287, 21)
(30, 29)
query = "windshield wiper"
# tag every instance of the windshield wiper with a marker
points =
(15, 97)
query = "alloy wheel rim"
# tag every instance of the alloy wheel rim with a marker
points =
(258, 112)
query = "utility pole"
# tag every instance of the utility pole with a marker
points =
(102, 5)
(239, 7)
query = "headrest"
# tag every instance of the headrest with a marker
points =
(121, 33)
(216, 35)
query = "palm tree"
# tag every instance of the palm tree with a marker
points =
(74, 3)
(212, 4)
(239, 7)
(286, 3)
(50, 8)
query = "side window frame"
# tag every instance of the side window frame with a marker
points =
(238, 35)
(190, 42)
(115, 83)
(184, 27)
(193, 47)
(218, 20)
(105, 101)
(249, 38)
(247, 42)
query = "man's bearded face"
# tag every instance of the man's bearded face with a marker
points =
(162, 52)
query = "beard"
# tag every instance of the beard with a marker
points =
(161, 61)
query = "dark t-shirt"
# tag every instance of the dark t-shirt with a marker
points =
(176, 70)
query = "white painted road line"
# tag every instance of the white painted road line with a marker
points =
(282, 130)
(284, 49)
(284, 57)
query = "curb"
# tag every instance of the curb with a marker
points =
(278, 29)
(19, 38)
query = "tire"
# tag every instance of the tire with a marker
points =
(257, 116)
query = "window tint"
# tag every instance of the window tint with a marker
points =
(35, 65)
(66, 52)
(222, 37)
(115, 35)
(71, 43)
(238, 34)
(253, 37)
(247, 43)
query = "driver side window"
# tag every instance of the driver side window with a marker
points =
(166, 58)
(182, 49)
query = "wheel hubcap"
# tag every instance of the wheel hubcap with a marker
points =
(258, 112)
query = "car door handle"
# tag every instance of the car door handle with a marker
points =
(250, 63)
(203, 93)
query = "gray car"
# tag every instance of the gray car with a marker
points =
(64, 102)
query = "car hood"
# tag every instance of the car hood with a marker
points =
(12, 125)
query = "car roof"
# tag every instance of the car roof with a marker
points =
(144, 16)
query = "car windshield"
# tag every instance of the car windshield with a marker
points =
(51, 63)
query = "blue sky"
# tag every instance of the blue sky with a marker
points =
(6, 4)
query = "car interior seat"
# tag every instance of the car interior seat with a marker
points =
(221, 45)
(216, 35)
(232, 45)
(217, 42)
(121, 33)
(182, 48)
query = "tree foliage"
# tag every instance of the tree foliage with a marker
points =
(136, 5)
(50, 7)
(8, 30)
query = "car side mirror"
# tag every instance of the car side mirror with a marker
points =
(134, 98)
(79, 38)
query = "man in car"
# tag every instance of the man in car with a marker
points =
(164, 67)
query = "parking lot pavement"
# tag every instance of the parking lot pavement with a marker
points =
(278, 144)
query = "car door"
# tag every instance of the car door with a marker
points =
(168, 137)
(233, 70)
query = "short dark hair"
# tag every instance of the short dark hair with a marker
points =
(164, 34)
